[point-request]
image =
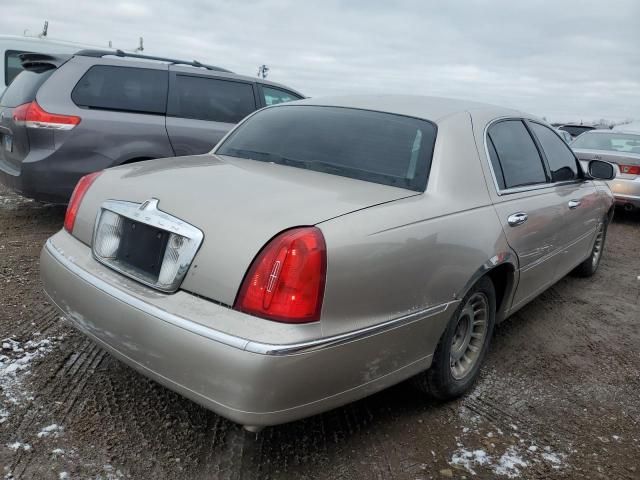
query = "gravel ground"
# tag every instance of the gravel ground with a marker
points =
(558, 397)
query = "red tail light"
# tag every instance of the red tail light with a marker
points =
(32, 115)
(630, 169)
(76, 199)
(286, 280)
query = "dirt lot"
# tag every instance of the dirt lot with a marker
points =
(559, 396)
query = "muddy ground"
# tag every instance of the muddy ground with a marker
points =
(559, 396)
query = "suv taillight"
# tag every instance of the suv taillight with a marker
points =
(76, 199)
(630, 169)
(286, 280)
(32, 115)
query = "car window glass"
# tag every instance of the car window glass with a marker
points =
(122, 88)
(272, 96)
(518, 156)
(12, 65)
(211, 99)
(561, 161)
(620, 142)
(371, 146)
(495, 163)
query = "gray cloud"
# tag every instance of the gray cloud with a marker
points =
(566, 60)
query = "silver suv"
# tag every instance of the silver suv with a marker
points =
(66, 116)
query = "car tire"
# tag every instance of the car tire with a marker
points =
(590, 265)
(447, 379)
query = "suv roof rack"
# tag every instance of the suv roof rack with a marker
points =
(173, 61)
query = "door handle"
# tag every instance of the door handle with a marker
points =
(574, 204)
(516, 219)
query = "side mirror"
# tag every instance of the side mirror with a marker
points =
(600, 170)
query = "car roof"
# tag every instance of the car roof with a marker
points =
(426, 107)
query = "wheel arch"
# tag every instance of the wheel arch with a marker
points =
(502, 271)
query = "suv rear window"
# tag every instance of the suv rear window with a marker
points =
(211, 99)
(366, 145)
(24, 87)
(126, 89)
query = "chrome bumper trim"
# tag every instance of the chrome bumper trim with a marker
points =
(239, 342)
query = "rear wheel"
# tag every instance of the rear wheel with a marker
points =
(463, 346)
(590, 265)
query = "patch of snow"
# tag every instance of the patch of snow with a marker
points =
(470, 458)
(57, 451)
(15, 362)
(53, 429)
(510, 463)
(19, 445)
(63, 475)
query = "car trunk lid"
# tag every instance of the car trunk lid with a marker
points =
(239, 204)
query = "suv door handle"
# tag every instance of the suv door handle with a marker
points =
(516, 219)
(574, 204)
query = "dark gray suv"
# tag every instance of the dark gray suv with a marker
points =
(66, 116)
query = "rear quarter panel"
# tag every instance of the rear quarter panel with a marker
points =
(104, 138)
(422, 251)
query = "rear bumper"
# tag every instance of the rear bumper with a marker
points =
(46, 179)
(626, 192)
(243, 378)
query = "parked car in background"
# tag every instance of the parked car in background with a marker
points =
(66, 116)
(323, 251)
(576, 130)
(11, 47)
(622, 148)
(566, 136)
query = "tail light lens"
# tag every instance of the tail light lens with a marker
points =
(76, 199)
(286, 280)
(630, 169)
(32, 115)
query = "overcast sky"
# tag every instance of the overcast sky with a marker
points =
(566, 60)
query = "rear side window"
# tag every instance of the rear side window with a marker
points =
(126, 89)
(372, 146)
(561, 161)
(24, 87)
(12, 65)
(273, 96)
(517, 156)
(203, 98)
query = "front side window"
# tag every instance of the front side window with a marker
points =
(126, 89)
(211, 99)
(273, 96)
(12, 65)
(518, 160)
(371, 146)
(562, 163)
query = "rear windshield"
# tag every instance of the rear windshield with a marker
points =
(24, 87)
(576, 130)
(614, 142)
(372, 146)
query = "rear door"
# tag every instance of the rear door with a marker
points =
(579, 198)
(203, 108)
(528, 207)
